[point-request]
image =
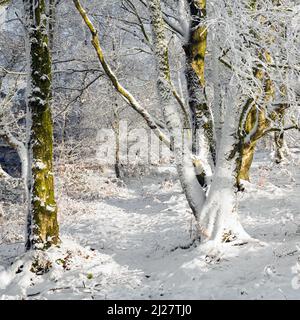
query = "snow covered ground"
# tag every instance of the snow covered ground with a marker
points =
(131, 243)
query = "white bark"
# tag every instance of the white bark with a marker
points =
(3, 174)
(186, 172)
(18, 146)
(219, 214)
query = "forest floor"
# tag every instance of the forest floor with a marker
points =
(130, 245)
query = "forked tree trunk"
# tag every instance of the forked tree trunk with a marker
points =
(192, 189)
(43, 230)
(254, 122)
(258, 122)
(220, 214)
(248, 146)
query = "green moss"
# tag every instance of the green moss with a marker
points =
(195, 51)
(43, 215)
(256, 117)
(4, 2)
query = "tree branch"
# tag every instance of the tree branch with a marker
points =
(125, 93)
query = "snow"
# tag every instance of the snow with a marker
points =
(40, 165)
(73, 269)
(127, 244)
(50, 208)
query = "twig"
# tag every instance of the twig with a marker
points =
(13, 72)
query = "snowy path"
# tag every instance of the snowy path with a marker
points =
(133, 235)
(140, 232)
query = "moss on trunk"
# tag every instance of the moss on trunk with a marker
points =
(43, 230)
(4, 2)
(247, 147)
(257, 121)
(195, 52)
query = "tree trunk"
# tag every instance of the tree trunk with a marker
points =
(43, 230)
(254, 122)
(4, 3)
(116, 127)
(192, 189)
(247, 146)
(279, 147)
(3, 174)
(52, 22)
(279, 143)
(247, 155)
(220, 214)
(255, 129)
(195, 52)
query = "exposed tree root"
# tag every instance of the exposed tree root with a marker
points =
(189, 245)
